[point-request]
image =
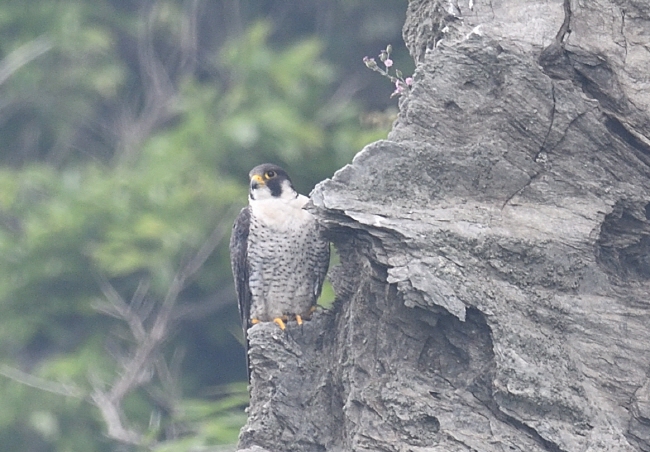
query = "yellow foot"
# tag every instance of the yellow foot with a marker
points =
(298, 319)
(255, 321)
(280, 323)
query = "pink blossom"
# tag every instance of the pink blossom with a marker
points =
(399, 88)
(388, 62)
(409, 81)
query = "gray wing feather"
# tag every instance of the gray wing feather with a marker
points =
(239, 263)
(322, 263)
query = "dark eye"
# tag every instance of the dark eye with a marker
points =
(270, 174)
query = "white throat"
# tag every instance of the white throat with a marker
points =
(283, 212)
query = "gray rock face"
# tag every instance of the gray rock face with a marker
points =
(494, 286)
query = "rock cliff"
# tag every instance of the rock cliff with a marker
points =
(494, 286)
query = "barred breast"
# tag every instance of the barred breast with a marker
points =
(286, 258)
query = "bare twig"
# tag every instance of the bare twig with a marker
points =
(137, 123)
(189, 37)
(159, 82)
(117, 307)
(204, 307)
(54, 387)
(146, 360)
(178, 284)
(111, 413)
(23, 55)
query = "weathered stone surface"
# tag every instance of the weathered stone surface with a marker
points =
(494, 287)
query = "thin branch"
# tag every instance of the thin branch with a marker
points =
(23, 55)
(178, 284)
(168, 375)
(120, 309)
(140, 294)
(113, 420)
(140, 367)
(33, 381)
(160, 93)
(205, 307)
(189, 37)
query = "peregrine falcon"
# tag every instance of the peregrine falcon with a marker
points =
(278, 255)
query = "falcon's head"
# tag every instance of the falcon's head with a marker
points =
(270, 181)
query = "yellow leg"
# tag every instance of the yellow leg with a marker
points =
(255, 321)
(280, 323)
(298, 319)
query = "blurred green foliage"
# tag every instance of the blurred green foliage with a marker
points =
(127, 129)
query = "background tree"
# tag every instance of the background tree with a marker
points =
(127, 130)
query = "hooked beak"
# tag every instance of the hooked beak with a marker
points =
(256, 181)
